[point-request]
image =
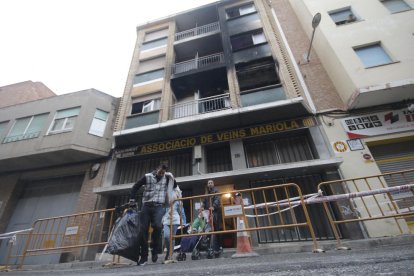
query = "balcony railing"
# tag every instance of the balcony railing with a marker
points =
(209, 28)
(197, 63)
(20, 137)
(205, 105)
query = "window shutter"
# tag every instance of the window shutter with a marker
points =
(67, 113)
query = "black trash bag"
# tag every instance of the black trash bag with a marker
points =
(124, 238)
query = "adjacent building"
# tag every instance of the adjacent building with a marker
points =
(23, 92)
(366, 48)
(53, 152)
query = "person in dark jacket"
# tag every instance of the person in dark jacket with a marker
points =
(213, 203)
(158, 191)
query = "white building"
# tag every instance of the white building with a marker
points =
(367, 49)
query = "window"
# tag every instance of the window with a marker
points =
(343, 16)
(372, 55)
(154, 35)
(145, 106)
(26, 128)
(240, 11)
(154, 44)
(260, 73)
(147, 77)
(395, 6)
(218, 157)
(64, 120)
(247, 40)
(99, 123)
(151, 64)
(271, 150)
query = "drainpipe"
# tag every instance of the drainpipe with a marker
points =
(295, 65)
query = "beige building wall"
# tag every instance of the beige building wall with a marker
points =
(334, 44)
(155, 31)
(354, 166)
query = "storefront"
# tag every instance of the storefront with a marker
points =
(290, 151)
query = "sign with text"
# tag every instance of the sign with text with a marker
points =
(379, 123)
(233, 210)
(72, 230)
(222, 136)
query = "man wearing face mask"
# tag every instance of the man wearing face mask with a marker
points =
(213, 204)
(158, 191)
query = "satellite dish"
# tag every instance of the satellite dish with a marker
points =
(316, 20)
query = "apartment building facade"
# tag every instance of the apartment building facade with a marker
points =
(53, 152)
(216, 93)
(366, 48)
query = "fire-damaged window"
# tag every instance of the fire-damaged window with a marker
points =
(279, 150)
(240, 11)
(259, 73)
(218, 158)
(246, 40)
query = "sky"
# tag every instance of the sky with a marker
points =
(73, 45)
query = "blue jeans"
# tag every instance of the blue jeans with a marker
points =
(151, 214)
(167, 230)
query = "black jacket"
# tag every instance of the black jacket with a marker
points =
(215, 201)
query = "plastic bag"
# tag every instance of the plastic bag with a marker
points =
(124, 238)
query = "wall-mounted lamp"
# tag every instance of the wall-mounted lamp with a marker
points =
(93, 171)
(315, 23)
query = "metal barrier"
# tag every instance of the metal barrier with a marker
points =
(264, 209)
(363, 199)
(63, 234)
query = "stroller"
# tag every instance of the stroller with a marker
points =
(196, 244)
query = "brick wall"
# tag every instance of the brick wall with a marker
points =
(87, 198)
(316, 78)
(23, 92)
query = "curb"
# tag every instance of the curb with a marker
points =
(264, 249)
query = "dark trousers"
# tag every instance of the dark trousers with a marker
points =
(151, 214)
(217, 239)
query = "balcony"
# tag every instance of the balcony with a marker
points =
(142, 119)
(205, 105)
(253, 53)
(262, 95)
(198, 63)
(198, 31)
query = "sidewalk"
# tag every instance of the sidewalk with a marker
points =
(264, 249)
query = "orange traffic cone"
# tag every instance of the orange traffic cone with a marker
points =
(244, 249)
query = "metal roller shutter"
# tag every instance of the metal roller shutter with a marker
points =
(394, 157)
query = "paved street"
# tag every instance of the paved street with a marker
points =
(373, 260)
